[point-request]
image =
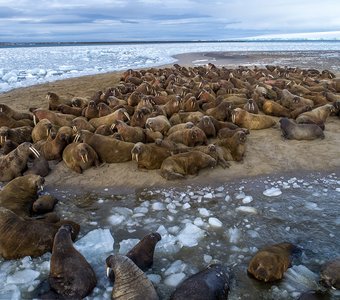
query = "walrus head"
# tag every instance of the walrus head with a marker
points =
(136, 150)
(4, 133)
(266, 269)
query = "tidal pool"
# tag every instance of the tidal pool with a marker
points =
(227, 223)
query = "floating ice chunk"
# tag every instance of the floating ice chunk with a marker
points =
(246, 209)
(154, 278)
(234, 235)
(158, 206)
(207, 258)
(253, 233)
(26, 276)
(171, 206)
(208, 196)
(227, 198)
(116, 219)
(126, 245)
(299, 279)
(312, 206)
(10, 292)
(174, 279)
(204, 212)
(186, 206)
(240, 196)
(337, 189)
(140, 210)
(190, 235)
(215, 222)
(176, 267)
(198, 222)
(247, 199)
(272, 192)
(169, 243)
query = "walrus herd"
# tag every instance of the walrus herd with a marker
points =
(178, 120)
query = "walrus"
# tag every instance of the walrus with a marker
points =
(39, 166)
(292, 101)
(54, 100)
(330, 274)
(215, 152)
(189, 137)
(227, 132)
(271, 262)
(158, 123)
(293, 131)
(149, 156)
(233, 147)
(42, 130)
(207, 126)
(18, 135)
(119, 114)
(298, 111)
(7, 147)
(81, 123)
(130, 281)
(79, 102)
(70, 110)
(273, 108)
(20, 193)
(250, 121)
(129, 133)
(71, 276)
(142, 253)
(109, 150)
(251, 107)
(317, 115)
(140, 116)
(52, 149)
(12, 123)
(180, 126)
(80, 157)
(183, 117)
(12, 113)
(14, 163)
(55, 118)
(104, 109)
(21, 237)
(44, 204)
(189, 163)
(211, 283)
(104, 130)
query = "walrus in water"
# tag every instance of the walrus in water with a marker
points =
(14, 163)
(130, 281)
(208, 284)
(250, 121)
(18, 135)
(270, 263)
(20, 237)
(71, 276)
(44, 204)
(292, 131)
(80, 157)
(20, 193)
(189, 163)
(330, 274)
(149, 156)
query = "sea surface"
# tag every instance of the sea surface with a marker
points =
(22, 66)
(199, 225)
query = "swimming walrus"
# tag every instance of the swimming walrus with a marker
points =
(71, 276)
(20, 193)
(293, 131)
(14, 163)
(211, 283)
(21, 237)
(130, 281)
(271, 262)
(44, 204)
(250, 121)
(330, 274)
(80, 157)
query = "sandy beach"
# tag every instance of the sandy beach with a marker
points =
(267, 151)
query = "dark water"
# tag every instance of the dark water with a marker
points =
(302, 210)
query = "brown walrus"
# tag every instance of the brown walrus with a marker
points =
(292, 131)
(20, 237)
(80, 157)
(18, 135)
(109, 150)
(53, 149)
(330, 274)
(129, 133)
(55, 118)
(207, 126)
(250, 121)
(44, 204)
(12, 113)
(270, 263)
(317, 115)
(20, 193)
(39, 166)
(119, 114)
(273, 108)
(142, 253)
(149, 156)
(189, 137)
(7, 147)
(180, 126)
(70, 110)
(130, 281)
(81, 123)
(12, 123)
(234, 147)
(215, 152)
(14, 163)
(71, 276)
(251, 107)
(211, 283)
(42, 130)
(158, 123)
(54, 101)
(189, 163)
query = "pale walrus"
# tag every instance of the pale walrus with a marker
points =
(179, 165)
(20, 237)
(158, 123)
(109, 150)
(292, 131)
(71, 276)
(20, 193)
(80, 157)
(57, 119)
(14, 163)
(273, 108)
(130, 281)
(270, 263)
(317, 115)
(208, 284)
(247, 120)
(330, 274)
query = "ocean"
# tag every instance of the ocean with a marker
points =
(26, 65)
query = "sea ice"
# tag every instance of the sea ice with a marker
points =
(204, 212)
(299, 278)
(198, 222)
(190, 235)
(154, 278)
(246, 209)
(234, 235)
(176, 267)
(169, 243)
(116, 219)
(215, 222)
(247, 199)
(207, 258)
(26, 276)
(126, 245)
(158, 206)
(174, 279)
(272, 192)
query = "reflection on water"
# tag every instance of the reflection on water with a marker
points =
(199, 225)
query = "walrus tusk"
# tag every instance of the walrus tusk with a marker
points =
(83, 159)
(127, 115)
(233, 118)
(1, 139)
(74, 128)
(76, 138)
(137, 157)
(34, 120)
(0, 109)
(108, 271)
(86, 158)
(113, 126)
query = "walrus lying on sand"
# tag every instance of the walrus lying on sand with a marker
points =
(292, 131)
(250, 121)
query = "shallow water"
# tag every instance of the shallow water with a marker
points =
(250, 214)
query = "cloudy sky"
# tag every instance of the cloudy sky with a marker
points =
(121, 20)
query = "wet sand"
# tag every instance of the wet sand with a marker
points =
(267, 152)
